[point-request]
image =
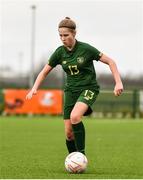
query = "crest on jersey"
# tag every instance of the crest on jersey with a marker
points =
(64, 62)
(80, 60)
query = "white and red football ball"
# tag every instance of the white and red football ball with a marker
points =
(76, 162)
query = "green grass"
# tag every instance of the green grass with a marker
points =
(34, 148)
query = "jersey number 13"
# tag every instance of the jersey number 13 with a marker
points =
(73, 69)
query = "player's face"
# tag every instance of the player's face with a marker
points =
(67, 37)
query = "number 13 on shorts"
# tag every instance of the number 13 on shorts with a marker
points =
(88, 94)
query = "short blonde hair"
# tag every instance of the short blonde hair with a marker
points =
(68, 23)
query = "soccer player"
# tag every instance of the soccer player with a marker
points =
(81, 87)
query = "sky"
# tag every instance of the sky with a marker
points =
(114, 27)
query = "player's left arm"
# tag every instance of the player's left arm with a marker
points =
(118, 89)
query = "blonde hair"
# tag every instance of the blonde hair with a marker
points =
(68, 23)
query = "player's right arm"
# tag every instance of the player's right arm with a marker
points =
(42, 75)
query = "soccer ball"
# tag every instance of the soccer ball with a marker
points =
(76, 162)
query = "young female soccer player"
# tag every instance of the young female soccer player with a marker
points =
(81, 88)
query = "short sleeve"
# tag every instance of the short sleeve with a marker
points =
(96, 54)
(54, 59)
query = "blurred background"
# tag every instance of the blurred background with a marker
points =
(29, 35)
(114, 131)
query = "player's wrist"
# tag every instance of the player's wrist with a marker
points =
(33, 89)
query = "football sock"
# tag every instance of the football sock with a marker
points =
(79, 134)
(71, 146)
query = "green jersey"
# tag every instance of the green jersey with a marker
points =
(78, 65)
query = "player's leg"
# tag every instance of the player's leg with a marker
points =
(82, 107)
(70, 143)
(69, 101)
(78, 127)
(78, 111)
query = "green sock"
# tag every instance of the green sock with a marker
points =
(71, 146)
(79, 134)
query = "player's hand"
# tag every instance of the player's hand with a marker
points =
(31, 93)
(118, 89)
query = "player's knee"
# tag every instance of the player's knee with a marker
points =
(75, 118)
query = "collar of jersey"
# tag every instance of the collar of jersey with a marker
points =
(74, 48)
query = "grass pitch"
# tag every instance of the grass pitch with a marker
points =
(34, 148)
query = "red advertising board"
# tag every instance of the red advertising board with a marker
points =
(44, 102)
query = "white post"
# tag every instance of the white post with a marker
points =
(141, 101)
(31, 76)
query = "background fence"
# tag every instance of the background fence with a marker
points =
(129, 104)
